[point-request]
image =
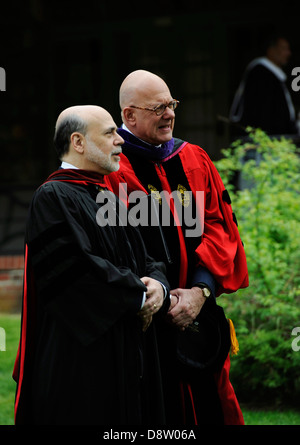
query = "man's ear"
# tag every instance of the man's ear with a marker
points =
(129, 116)
(77, 141)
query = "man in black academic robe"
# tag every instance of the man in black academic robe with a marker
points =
(88, 352)
(262, 99)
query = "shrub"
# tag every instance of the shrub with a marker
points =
(268, 212)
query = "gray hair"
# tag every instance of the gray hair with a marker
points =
(63, 131)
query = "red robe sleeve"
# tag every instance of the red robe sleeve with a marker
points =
(221, 250)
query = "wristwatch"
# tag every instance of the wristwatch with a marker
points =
(206, 291)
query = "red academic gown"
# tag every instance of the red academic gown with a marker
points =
(220, 249)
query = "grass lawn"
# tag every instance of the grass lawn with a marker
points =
(257, 416)
(11, 325)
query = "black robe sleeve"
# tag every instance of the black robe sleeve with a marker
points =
(86, 275)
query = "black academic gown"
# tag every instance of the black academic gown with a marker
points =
(83, 358)
(265, 105)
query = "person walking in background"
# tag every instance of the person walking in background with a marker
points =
(262, 99)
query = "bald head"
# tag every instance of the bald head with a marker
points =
(140, 93)
(139, 86)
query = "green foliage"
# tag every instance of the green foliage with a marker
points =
(264, 314)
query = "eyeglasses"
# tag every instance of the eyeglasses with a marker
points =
(160, 109)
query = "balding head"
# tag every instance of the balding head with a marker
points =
(86, 137)
(74, 119)
(85, 112)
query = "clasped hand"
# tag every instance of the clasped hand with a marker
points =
(154, 301)
(185, 305)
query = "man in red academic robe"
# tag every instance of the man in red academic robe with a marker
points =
(201, 246)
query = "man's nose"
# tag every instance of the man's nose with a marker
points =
(119, 140)
(169, 113)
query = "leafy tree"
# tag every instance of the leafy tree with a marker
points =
(268, 213)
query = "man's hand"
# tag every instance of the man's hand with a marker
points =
(188, 306)
(146, 321)
(154, 301)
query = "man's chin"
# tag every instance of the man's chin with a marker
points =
(165, 137)
(111, 169)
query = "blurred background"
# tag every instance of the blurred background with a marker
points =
(57, 54)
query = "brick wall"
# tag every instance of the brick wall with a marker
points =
(11, 283)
